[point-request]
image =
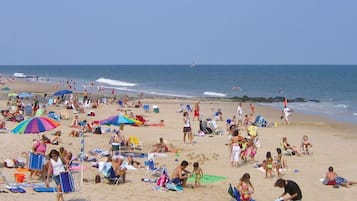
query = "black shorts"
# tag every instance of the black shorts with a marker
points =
(187, 129)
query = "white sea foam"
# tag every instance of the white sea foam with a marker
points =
(211, 93)
(341, 106)
(115, 82)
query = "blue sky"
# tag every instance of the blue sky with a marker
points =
(178, 32)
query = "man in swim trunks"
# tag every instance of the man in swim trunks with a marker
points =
(180, 174)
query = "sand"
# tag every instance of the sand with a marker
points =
(329, 139)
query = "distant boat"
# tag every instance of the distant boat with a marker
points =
(193, 64)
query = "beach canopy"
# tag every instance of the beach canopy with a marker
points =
(62, 92)
(118, 120)
(25, 95)
(36, 124)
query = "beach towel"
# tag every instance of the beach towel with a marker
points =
(16, 189)
(206, 179)
(45, 189)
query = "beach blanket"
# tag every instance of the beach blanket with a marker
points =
(134, 154)
(206, 179)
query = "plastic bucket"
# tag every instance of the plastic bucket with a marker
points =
(19, 177)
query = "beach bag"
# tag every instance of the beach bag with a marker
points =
(97, 179)
(163, 179)
(98, 130)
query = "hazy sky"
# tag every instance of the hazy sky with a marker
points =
(178, 32)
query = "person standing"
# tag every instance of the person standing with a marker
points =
(240, 114)
(252, 108)
(187, 127)
(292, 190)
(286, 113)
(55, 167)
(196, 111)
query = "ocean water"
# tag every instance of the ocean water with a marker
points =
(333, 85)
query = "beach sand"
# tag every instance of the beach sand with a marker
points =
(329, 139)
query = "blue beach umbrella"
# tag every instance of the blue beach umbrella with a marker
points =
(62, 92)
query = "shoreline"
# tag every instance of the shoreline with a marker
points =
(327, 136)
(41, 88)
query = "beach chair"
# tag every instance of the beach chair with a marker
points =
(67, 182)
(64, 115)
(50, 102)
(134, 143)
(121, 103)
(106, 169)
(284, 151)
(35, 161)
(214, 127)
(28, 110)
(146, 107)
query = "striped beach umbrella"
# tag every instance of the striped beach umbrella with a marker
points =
(35, 124)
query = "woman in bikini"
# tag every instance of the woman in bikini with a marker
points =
(268, 165)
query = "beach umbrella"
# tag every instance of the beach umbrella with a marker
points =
(36, 124)
(62, 92)
(118, 120)
(25, 95)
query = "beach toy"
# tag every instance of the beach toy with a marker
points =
(177, 155)
(19, 177)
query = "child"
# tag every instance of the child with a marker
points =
(198, 173)
(280, 162)
(268, 165)
(305, 145)
(245, 187)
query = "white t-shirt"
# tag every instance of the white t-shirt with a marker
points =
(57, 166)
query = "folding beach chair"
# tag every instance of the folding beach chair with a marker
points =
(35, 161)
(28, 110)
(67, 183)
(135, 143)
(146, 107)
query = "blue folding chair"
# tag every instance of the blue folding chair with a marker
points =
(146, 107)
(67, 183)
(35, 161)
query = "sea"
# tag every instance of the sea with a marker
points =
(331, 89)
